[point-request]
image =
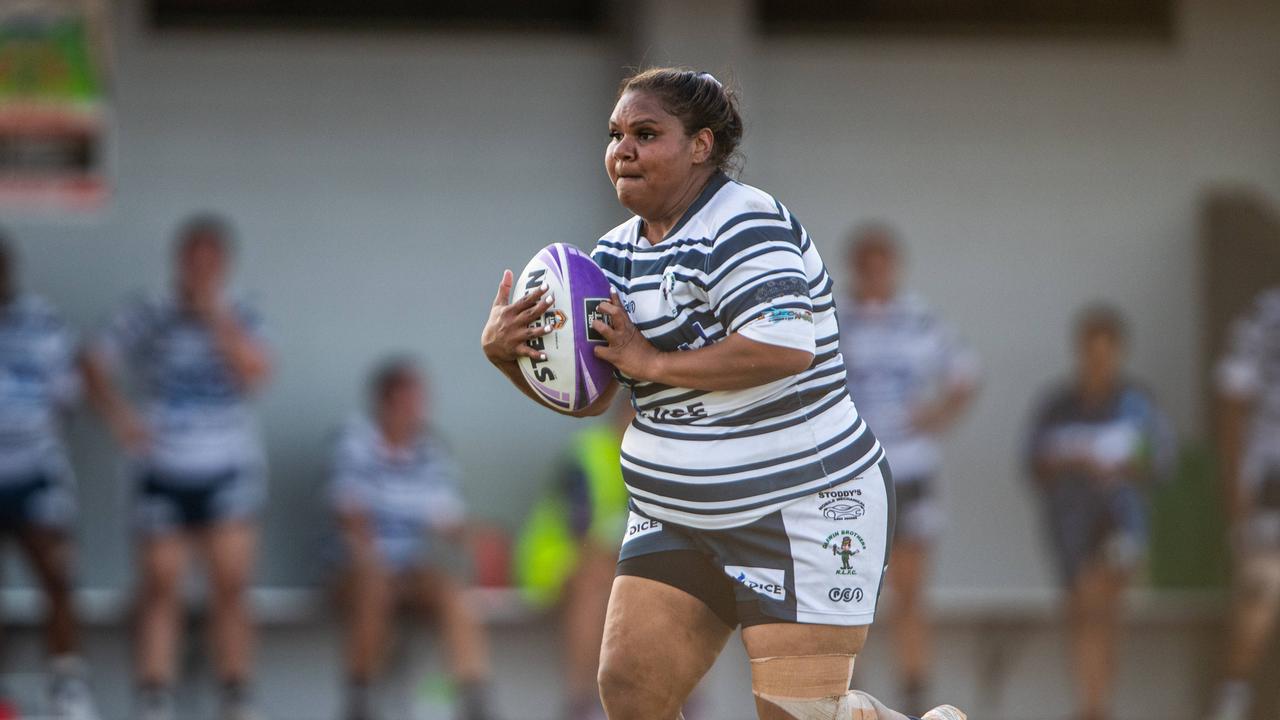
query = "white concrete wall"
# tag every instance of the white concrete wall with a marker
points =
(1027, 178)
(381, 183)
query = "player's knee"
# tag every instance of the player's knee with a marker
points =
(623, 684)
(809, 687)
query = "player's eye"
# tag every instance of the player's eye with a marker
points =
(647, 135)
(615, 135)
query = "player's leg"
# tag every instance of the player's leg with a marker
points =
(368, 595)
(586, 601)
(162, 559)
(49, 552)
(464, 638)
(1095, 604)
(230, 547)
(1255, 611)
(909, 627)
(658, 643)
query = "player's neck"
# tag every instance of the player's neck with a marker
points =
(657, 228)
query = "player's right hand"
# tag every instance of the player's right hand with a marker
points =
(508, 330)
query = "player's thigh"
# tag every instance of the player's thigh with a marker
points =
(826, 651)
(48, 550)
(658, 643)
(229, 547)
(162, 558)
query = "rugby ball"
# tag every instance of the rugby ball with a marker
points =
(572, 377)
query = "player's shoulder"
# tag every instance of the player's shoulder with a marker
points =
(34, 312)
(357, 436)
(1057, 401)
(730, 206)
(1267, 305)
(913, 310)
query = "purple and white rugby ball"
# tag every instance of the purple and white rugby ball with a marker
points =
(572, 377)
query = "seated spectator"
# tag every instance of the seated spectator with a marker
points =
(395, 492)
(39, 381)
(1097, 441)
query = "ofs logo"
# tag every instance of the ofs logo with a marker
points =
(843, 509)
(766, 581)
(590, 313)
(638, 526)
(844, 595)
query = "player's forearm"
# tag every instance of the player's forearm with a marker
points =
(735, 363)
(246, 357)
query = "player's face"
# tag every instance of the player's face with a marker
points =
(650, 159)
(405, 407)
(202, 264)
(1100, 357)
(875, 270)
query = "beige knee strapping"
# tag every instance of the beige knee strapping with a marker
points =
(811, 687)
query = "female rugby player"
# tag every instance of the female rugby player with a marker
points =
(759, 498)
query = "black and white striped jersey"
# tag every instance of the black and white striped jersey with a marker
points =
(737, 262)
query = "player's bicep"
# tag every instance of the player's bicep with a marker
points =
(758, 287)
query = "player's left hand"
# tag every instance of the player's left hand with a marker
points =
(628, 350)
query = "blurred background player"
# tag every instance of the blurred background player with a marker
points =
(568, 551)
(194, 454)
(39, 381)
(910, 377)
(1097, 440)
(1249, 383)
(395, 490)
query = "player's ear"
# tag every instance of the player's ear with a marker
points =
(704, 142)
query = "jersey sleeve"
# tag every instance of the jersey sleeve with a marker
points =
(122, 337)
(349, 482)
(446, 507)
(961, 366)
(757, 286)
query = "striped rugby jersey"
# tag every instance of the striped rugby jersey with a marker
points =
(38, 383)
(198, 415)
(900, 355)
(1250, 369)
(737, 262)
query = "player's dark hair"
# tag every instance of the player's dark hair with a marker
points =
(1102, 319)
(7, 284)
(206, 227)
(874, 235)
(700, 101)
(390, 375)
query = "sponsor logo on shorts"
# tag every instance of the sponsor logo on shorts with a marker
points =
(766, 581)
(590, 305)
(845, 545)
(843, 509)
(845, 595)
(639, 526)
